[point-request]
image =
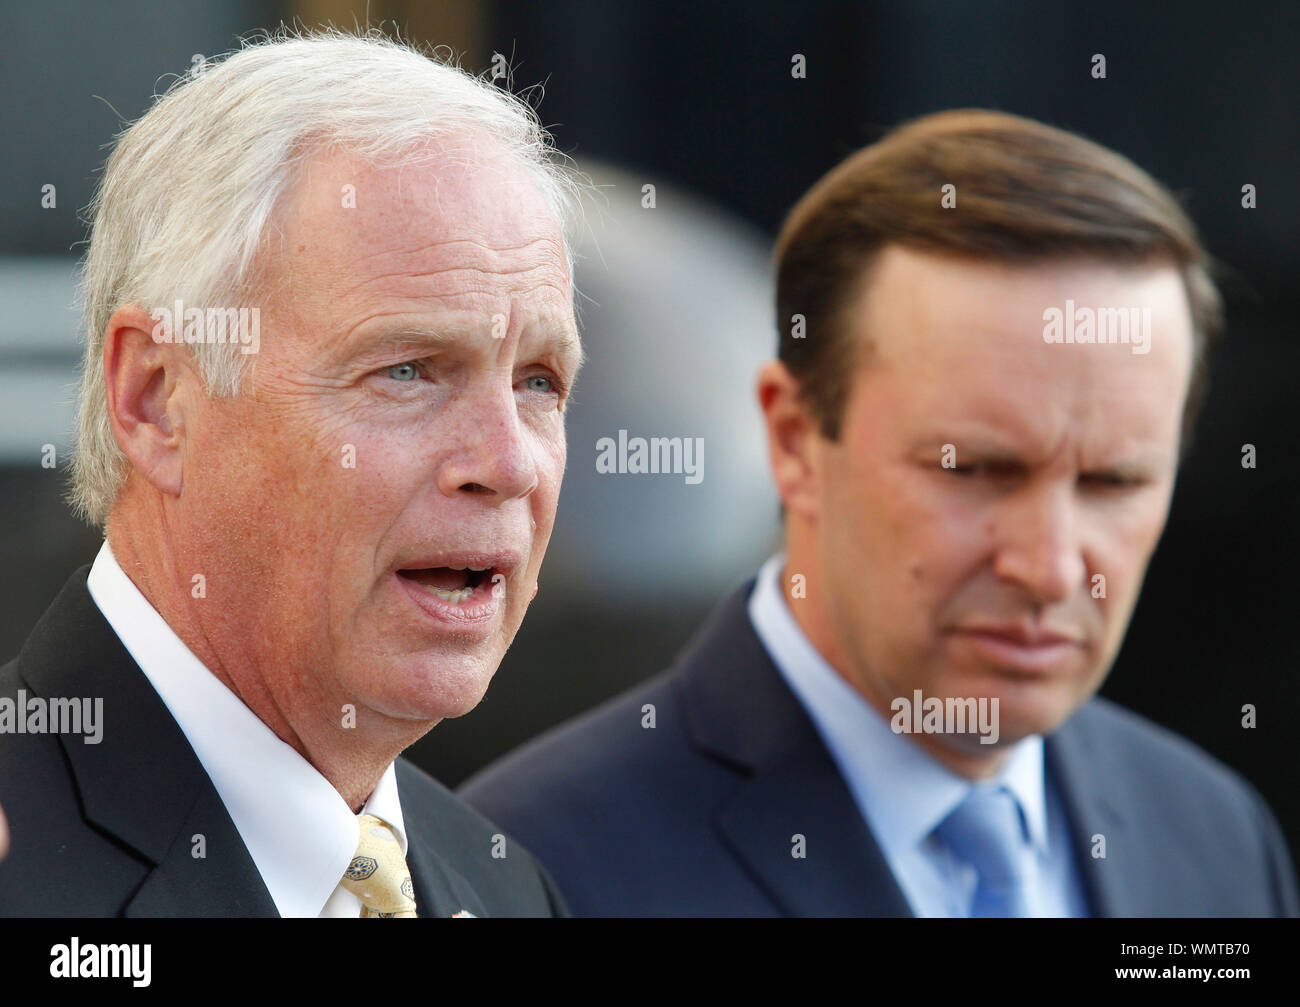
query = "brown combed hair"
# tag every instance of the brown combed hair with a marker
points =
(1026, 193)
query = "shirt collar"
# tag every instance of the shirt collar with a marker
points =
(298, 830)
(901, 789)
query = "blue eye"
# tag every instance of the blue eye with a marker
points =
(403, 372)
(547, 383)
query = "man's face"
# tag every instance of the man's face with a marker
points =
(1065, 460)
(403, 421)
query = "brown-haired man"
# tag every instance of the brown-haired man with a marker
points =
(992, 345)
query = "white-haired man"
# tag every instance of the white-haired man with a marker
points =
(330, 340)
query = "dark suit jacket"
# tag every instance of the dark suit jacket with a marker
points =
(695, 816)
(105, 829)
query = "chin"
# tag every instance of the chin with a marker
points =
(428, 707)
(436, 687)
(1020, 716)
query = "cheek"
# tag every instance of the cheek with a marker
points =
(236, 474)
(930, 538)
(545, 500)
(359, 468)
(550, 456)
(1123, 542)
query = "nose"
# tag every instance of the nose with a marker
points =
(1038, 545)
(495, 455)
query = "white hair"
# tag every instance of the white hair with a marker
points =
(191, 187)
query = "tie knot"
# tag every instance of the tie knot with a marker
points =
(378, 875)
(986, 831)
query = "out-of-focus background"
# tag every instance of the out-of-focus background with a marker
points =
(700, 101)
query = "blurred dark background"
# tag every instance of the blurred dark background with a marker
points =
(699, 100)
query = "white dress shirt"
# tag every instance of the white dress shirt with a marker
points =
(298, 829)
(902, 791)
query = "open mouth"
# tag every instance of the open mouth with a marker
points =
(450, 583)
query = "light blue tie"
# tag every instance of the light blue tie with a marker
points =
(985, 831)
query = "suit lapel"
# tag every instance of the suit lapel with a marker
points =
(740, 710)
(142, 783)
(439, 890)
(1115, 885)
(802, 798)
(224, 883)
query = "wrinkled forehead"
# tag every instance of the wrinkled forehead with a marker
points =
(462, 200)
(1021, 346)
(462, 228)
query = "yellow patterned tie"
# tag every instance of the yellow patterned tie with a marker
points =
(378, 875)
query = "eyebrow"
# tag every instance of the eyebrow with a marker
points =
(568, 346)
(1138, 460)
(414, 337)
(565, 342)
